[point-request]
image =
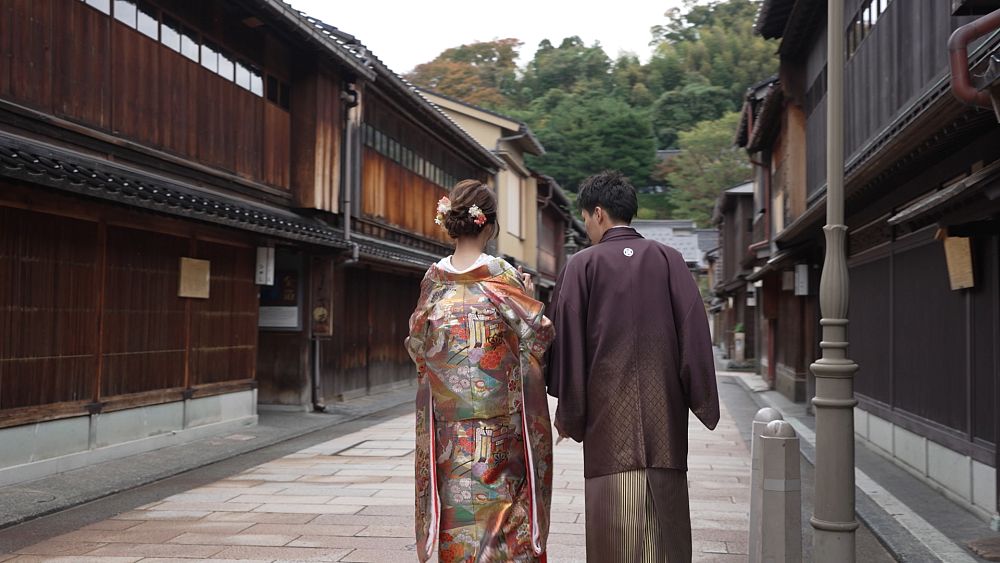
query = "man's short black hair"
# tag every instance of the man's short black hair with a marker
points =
(611, 191)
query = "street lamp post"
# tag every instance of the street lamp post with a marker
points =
(833, 514)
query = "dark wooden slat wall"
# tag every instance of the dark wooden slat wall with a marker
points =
(372, 309)
(935, 362)
(48, 306)
(315, 139)
(396, 195)
(144, 332)
(391, 191)
(903, 54)
(84, 92)
(224, 327)
(870, 343)
(52, 290)
(985, 313)
(70, 60)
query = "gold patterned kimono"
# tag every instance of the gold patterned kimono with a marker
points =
(483, 436)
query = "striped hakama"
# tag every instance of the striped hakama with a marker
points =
(638, 516)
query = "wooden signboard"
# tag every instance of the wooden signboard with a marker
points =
(195, 278)
(321, 291)
(958, 253)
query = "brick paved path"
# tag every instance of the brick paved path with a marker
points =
(351, 499)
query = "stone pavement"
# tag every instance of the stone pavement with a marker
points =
(25, 501)
(351, 498)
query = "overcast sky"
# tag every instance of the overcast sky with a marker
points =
(405, 33)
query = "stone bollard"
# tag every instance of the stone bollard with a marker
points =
(760, 421)
(781, 503)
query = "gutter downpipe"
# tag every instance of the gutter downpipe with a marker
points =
(958, 44)
(350, 98)
(351, 175)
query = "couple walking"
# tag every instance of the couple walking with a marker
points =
(630, 356)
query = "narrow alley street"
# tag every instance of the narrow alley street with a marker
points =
(350, 498)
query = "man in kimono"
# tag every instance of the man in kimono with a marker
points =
(632, 355)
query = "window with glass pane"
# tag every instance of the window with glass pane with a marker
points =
(125, 12)
(242, 76)
(210, 57)
(170, 34)
(226, 67)
(146, 21)
(256, 82)
(189, 44)
(100, 5)
(514, 204)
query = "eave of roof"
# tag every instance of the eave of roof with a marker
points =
(773, 17)
(534, 146)
(60, 168)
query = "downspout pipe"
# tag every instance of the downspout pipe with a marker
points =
(351, 173)
(958, 47)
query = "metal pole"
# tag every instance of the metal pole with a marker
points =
(833, 513)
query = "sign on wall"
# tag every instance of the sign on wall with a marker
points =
(195, 278)
(279, 303)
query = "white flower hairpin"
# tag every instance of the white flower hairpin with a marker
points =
(443, 207)
(478, 217)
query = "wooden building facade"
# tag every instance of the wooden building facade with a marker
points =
(737, 298)
(203, 206)
(923, 211)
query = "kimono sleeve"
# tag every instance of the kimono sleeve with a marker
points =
(416, 341)
(567, 361)
(694, 342)
(523, 313)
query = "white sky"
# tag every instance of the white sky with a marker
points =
(405, 33)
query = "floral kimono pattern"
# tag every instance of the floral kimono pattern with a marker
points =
(483, 436)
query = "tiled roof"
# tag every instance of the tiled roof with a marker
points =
(773, 17)
(679, 235)
(70, 171)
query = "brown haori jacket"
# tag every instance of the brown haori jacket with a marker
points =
(632, 355)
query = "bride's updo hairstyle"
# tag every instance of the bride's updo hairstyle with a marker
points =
(473, 208)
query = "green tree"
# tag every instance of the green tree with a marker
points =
(586, 133)
(564, 67)
(679, 110)
(482, 73)
(628, 79)
(714, 41)
(685, 23)
(708, 163)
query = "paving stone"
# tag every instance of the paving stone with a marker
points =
(157, 550)
(282, 553)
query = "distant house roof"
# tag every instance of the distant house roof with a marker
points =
(760, 115)
(708, 239)
(724, 201)
(680, 235)
(530, 143)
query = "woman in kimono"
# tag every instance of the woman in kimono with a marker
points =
(483, 436)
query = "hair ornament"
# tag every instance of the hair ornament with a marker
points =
(443, 207)
(478, 217)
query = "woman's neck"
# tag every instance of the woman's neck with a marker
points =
(467, 251)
